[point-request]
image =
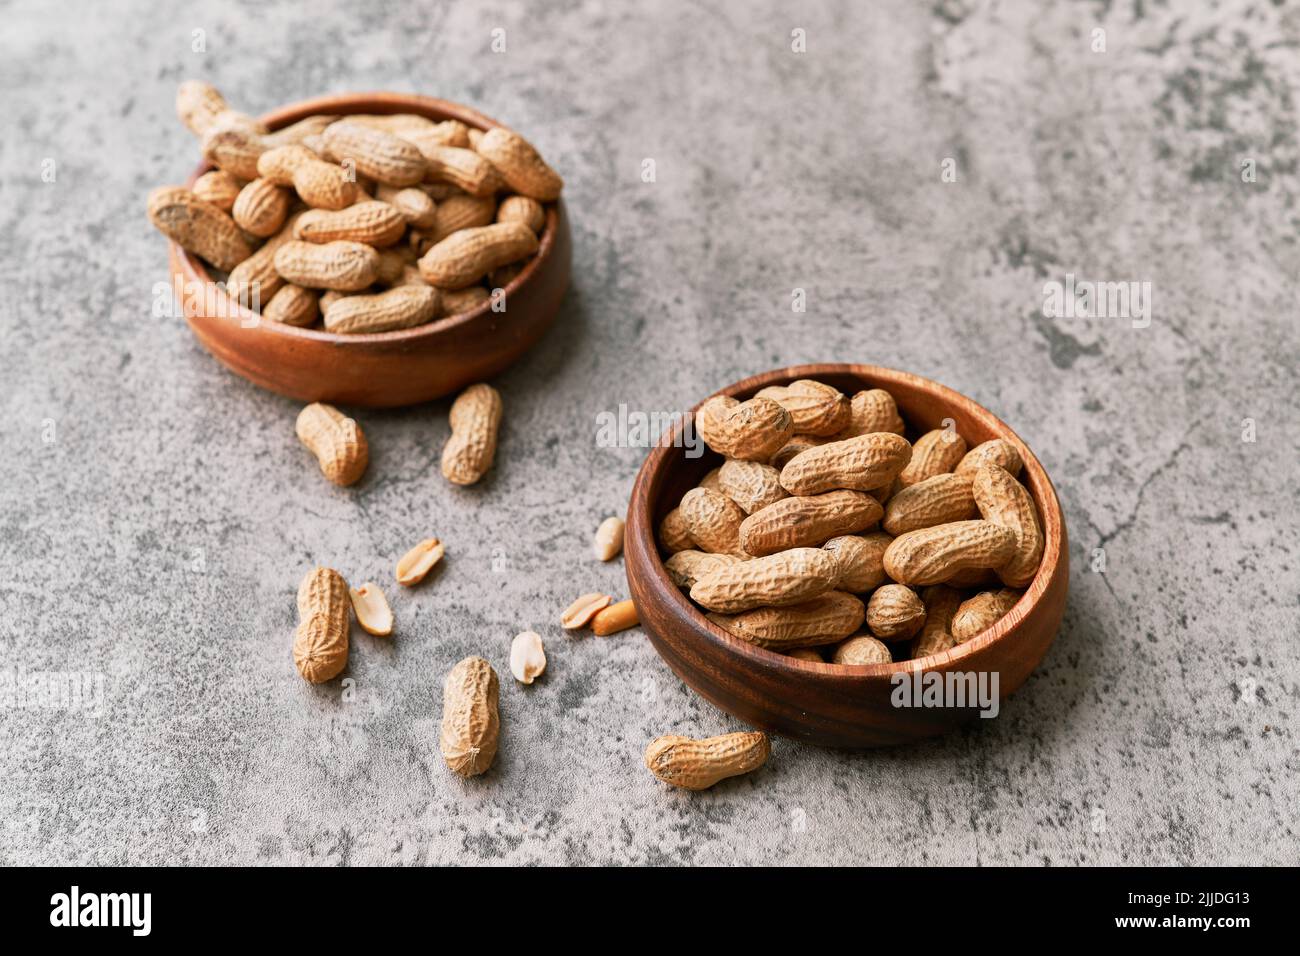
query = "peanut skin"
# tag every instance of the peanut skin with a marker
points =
(373, 222)
(319, 184)
(219, 188)
(292, 305)
(860, 559)
(673, 534)
(200, 107)
(687, 566)
(380, 155)
(522, 209)
(862, 649)
(401, 307)
(997, 451)
(261, 208)
(463, 168)
(343, 266)
(750, 484)
(937, 500)
(895, 613)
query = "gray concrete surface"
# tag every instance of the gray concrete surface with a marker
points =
(156, 512)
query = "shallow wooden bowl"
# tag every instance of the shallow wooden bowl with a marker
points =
(830, 704)
(385, 369)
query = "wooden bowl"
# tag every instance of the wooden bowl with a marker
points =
(384, 369)
(830, 704)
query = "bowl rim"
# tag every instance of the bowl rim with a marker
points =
(1039, 484)
(193, 269)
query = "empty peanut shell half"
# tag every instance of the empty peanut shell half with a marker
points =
(419, 561)
(372, 610)
(527, 657)
(581, 611)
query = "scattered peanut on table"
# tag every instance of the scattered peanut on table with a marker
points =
(415, 565)
(699, 764)
(527, 657)
(609, 539)
(614, 618)
(583, 609)
(372, 610)
(470, 721)
(336, 440)
(475, 420)
(320, 645)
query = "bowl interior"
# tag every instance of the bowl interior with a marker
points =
(924, 405)
(195, 270)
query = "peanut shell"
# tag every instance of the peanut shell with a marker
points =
(823, 620)
(935, 453)
(751, 431)
(860, 464)
(198, 227)
(937, 500)
(465, 257)
(520, 165)
(817, 409)
(470, 722)
(320, 644)
(895, 613)
(933, 555)
(1006, 502)
(807, 521)
(401, 307)
(699, 764)
(787, 577)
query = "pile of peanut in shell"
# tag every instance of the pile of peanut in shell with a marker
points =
(828, 536)
(356, 224)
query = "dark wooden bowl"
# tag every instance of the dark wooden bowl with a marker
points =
(830, 704)
(385, 369)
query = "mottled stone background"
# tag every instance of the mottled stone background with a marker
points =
(156, 512)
